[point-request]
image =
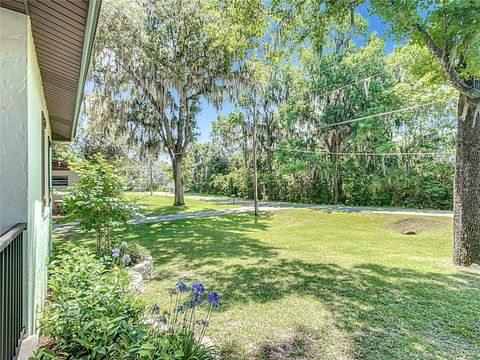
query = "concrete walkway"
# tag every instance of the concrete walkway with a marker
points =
(265, 206)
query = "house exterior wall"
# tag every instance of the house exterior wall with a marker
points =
(22, 104)
(59, 191)
(39, 214)
(13, 115)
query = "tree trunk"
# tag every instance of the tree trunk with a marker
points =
(254, 153)
(177, 164)
(467, 186)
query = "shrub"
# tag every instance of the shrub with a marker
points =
(89, 312)
(91, 315)
(96, 201)
(182, 322)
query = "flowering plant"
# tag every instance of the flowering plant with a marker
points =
(121, 256)
(183, 315)
(128, 253)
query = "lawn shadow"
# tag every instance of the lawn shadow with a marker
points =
(195, 243)
(388, 312)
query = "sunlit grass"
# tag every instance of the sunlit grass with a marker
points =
(155, 205)
(307, 284)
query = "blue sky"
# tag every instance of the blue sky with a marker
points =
(209, 114)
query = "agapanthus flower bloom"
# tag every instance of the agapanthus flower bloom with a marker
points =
(198, 288)
(116, 252)
(214, 299)
(181, 286)
(156, 309)
(127, 258)
(195, 300)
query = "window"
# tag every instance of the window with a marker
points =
(60, 181)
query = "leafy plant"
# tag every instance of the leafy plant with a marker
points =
(97, 201)
(130, 253)
(184, 324)
(89, 313)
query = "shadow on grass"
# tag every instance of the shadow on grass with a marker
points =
(195, 242)
(391, 312)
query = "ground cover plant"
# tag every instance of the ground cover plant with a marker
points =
(308, 284)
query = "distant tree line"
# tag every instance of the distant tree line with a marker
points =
(401, 159)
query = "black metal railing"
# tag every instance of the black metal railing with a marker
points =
(12, 326)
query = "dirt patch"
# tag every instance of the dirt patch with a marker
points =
(413, 226)
(298, 345)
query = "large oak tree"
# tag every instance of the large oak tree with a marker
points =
(449, 29)
(156, 61)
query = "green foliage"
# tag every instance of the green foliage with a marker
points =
(296, 160)
(137, 252)
(90, 314)
(61, 151)
(96, 201)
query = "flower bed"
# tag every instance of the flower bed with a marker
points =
(91, 314)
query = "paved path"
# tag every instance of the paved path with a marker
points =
(266, 206)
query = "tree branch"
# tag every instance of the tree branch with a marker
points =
(447, 67)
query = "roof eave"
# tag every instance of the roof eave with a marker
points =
(92, 20)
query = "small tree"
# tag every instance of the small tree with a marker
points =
(97, 201)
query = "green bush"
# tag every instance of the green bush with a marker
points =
(90, 314)
(97, 200)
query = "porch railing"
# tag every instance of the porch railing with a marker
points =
(12, 326)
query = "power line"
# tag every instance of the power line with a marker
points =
(368, 153)
(359, 81)
(353, 83)
(379, 114)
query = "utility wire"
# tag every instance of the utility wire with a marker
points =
(378, 114)
(352, 83)
(359, 81)
(368, 153)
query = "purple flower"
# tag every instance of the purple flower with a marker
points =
(214, 299)
(127, 258)
(198, 288)
(156, 309)
(195, 300)
(181, 286)
(116, 252)
(180, 310)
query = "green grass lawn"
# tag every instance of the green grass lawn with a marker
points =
(307, 284)
(154, 205)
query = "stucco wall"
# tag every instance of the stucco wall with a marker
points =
(13, 115)
(22, 103)
(39, 217)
